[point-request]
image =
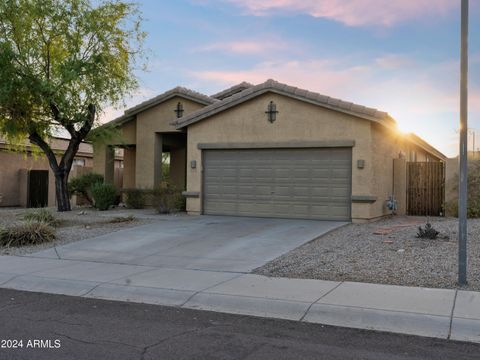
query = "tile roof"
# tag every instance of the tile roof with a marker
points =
(232, 90)
(291, 91)
(130, 113)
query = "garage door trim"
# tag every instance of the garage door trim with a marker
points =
(277, 145)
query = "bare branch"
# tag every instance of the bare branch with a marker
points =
(37, 140)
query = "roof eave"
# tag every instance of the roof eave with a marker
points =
(262, 91)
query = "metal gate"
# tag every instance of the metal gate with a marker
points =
(37, 188)
(425, 188)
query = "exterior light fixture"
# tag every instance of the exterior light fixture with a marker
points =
(179, 110)
(272, 112)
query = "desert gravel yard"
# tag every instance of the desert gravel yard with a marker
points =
(79, 224)
(385, 252)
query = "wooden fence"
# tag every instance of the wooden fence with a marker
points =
(425, 188)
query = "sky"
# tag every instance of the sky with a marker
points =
(399, 56)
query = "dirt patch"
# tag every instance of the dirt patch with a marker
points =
(80, 224)
(385, 252)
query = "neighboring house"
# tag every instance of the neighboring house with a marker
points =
(268, 150)
(26, 179)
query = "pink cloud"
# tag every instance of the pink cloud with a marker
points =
(423, 97)
(352, 12)
(259, 46)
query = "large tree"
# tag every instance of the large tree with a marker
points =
(61, 63)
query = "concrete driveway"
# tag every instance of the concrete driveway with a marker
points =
(216, 243)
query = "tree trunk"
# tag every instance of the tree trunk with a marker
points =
(61, 190)
(62, 169)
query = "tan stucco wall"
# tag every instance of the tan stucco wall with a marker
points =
(296, 122)
(129, 168)
(178, 167)
(14, 176)
(150, 122)
(129, 132)
(145, 133)
(387, 145)
(301, 122)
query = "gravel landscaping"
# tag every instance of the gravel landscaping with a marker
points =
(385, 252)
(80, 224)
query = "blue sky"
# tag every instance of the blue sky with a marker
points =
(400, 56)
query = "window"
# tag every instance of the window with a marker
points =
(78, 162)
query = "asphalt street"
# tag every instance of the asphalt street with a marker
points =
(43, 326)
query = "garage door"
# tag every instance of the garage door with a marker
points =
(285, 183)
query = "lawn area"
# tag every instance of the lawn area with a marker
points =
(385, 252)
(79, 224)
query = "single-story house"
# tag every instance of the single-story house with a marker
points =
(26, 179)
(268, 150)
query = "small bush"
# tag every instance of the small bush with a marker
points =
(473, 209)
(82, 185)
(104, 196)
(135, 198)
(122, 219)
(428, 232)
(29, 233)
(167, 198)
(41, 215)
(473, 184)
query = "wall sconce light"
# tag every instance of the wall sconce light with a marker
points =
(360, 164)
(179, 110)
(193, 164)
(272, 112)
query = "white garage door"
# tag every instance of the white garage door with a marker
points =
(312, 183)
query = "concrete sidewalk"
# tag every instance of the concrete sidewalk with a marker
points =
(447, 314)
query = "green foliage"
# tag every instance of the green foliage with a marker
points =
(135, 198)
(82, 185)
(167, 198)
(29, 233)
(104, 196)
(61, 63)
(473, 185)
(121, 219)
(41, 215)
(165, 165)
(58, 57)
(428, 232)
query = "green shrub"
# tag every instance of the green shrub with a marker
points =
(135, 198)
(473, 184)
(167, 198)
(104, 196)
(29, 233)
(82, 185)
(122, 219)
(41, 215)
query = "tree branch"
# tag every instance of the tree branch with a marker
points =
(87, 126)
(75, 141)
(37, 140)
(58, 118)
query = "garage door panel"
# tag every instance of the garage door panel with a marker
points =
(297, 183)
